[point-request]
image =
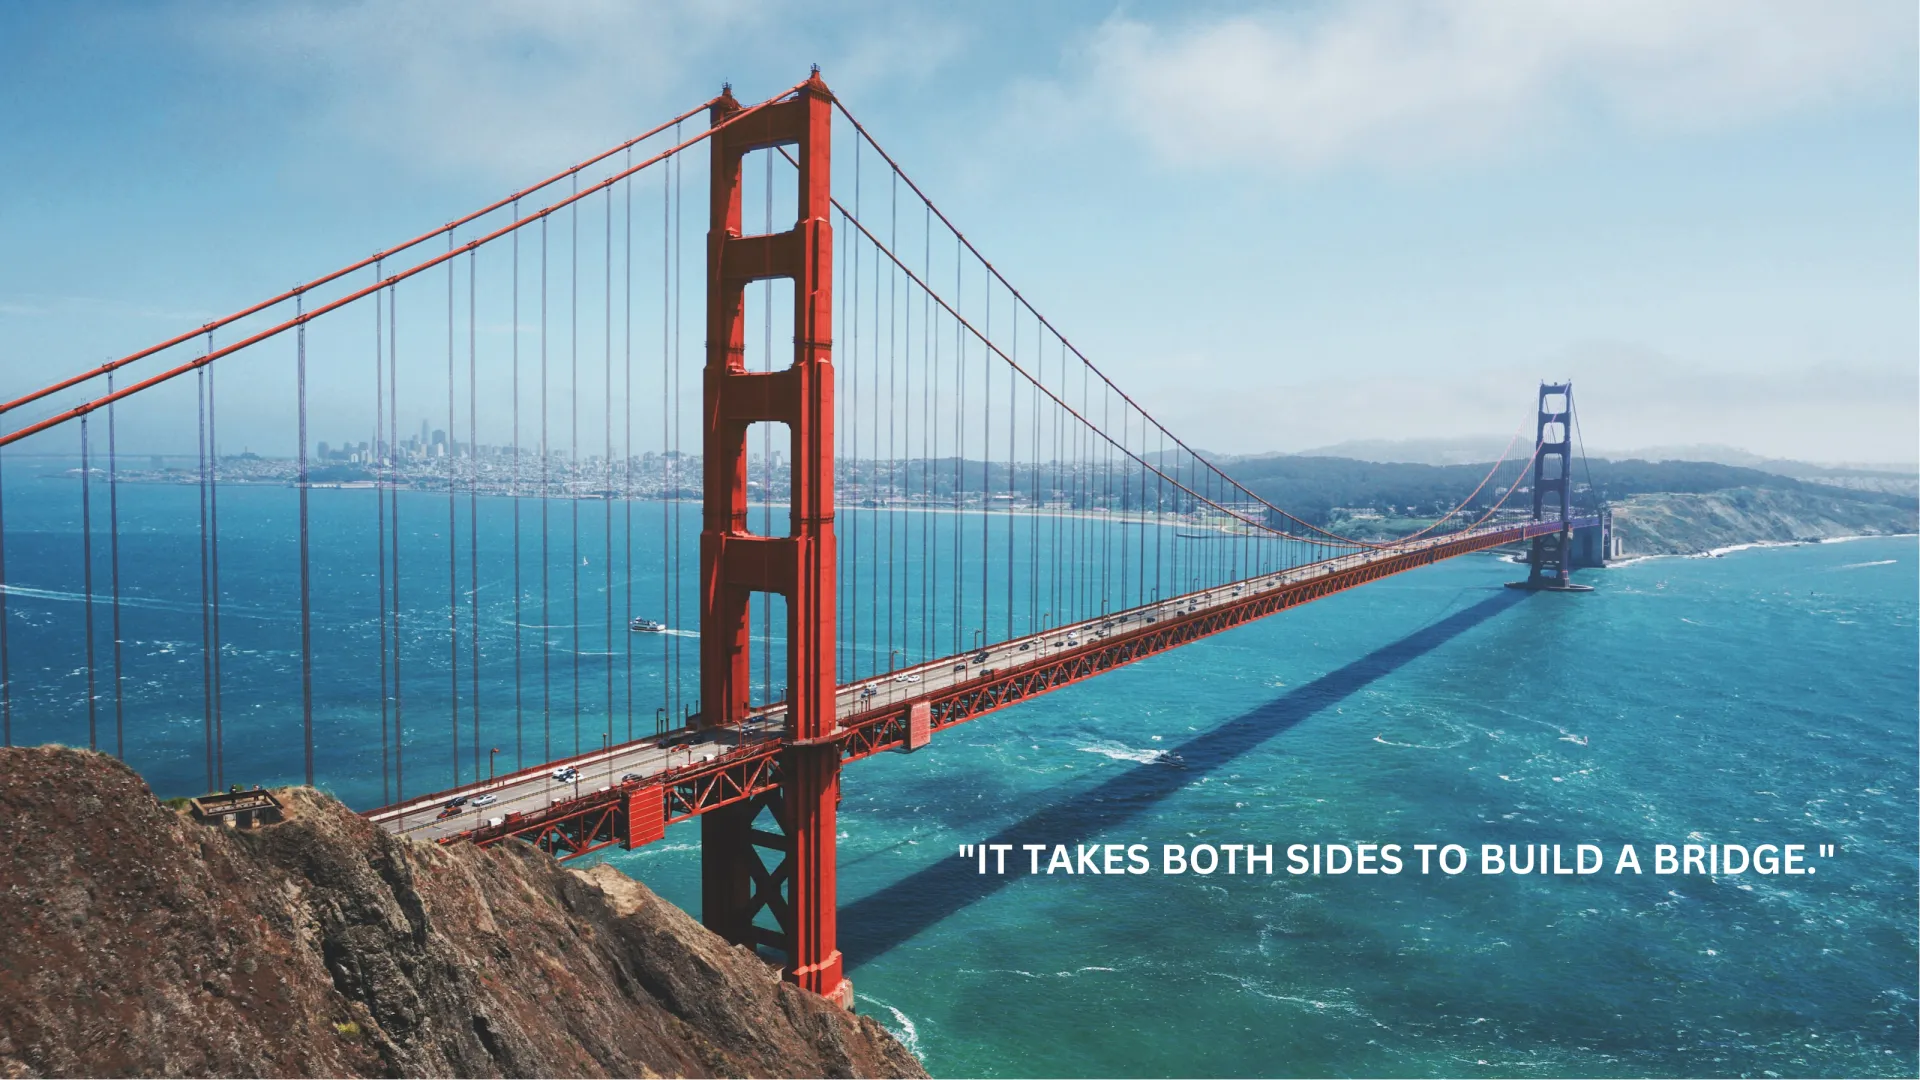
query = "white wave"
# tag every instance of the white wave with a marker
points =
(908, 1035)
(227, 608)
(1858, 565)
(1864, 536)
(1119, 752)
(1384, 741)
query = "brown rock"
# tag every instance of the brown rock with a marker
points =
(133, 940)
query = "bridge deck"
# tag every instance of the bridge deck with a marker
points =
(699, 770)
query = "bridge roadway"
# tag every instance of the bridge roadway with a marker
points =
(873, 712)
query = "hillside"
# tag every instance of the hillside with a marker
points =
(135, 941)
(1668, 523)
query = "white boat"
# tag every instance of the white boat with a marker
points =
(647, 626)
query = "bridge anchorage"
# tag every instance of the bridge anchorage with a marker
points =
(975, 515)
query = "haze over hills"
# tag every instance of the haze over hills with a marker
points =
(1484, 448)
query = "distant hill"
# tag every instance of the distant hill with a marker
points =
(1314, 487)
(1717, 453)
(1462, 451)
(1892, 478)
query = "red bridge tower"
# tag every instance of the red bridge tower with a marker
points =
(797, 893)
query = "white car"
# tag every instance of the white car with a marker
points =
(903, 677)
(484, 800)
(565, 774)
(913, 678)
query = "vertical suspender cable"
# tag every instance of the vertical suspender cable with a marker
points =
(86, 576)
(473, 505)
(852, 429)
(907, 471)
(113, 559)
(929, 439)
(1126, 481)
(213, 548)
(393, 515)
(546, 562)
(306, 591)
(1106, 500)
(1015, 444)
(453, 545)
(766, 452)
(1033, 479)
(873, 485)
(606, 424)
(986, 458)
(1013, 437)
(573, 444)
(513, 485)
(379, 449)
(679, 302)
(893, 453)
(667, 480)
(840, 462)
(960, 450)
(6, 667)
(206, 615)
(626, 465)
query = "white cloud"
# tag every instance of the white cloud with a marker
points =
(1415, 81)
(1628, 396)
(512, 89)
(490, 85)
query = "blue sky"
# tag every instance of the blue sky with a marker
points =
(1280, 226)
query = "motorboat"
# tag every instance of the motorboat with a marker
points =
(647, 626)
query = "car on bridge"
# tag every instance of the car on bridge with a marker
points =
(565, 774)
(484, 800)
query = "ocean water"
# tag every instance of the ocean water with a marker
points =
(1765, 697)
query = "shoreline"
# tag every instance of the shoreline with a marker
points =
(1720, 552)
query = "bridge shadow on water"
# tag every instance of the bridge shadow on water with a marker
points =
(875, 924)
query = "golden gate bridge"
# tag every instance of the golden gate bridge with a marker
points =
(972, 512)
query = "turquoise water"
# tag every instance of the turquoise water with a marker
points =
(1768, 696)
(1765, 697)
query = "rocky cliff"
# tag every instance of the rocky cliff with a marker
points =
(1683, 524)
(136, 941)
